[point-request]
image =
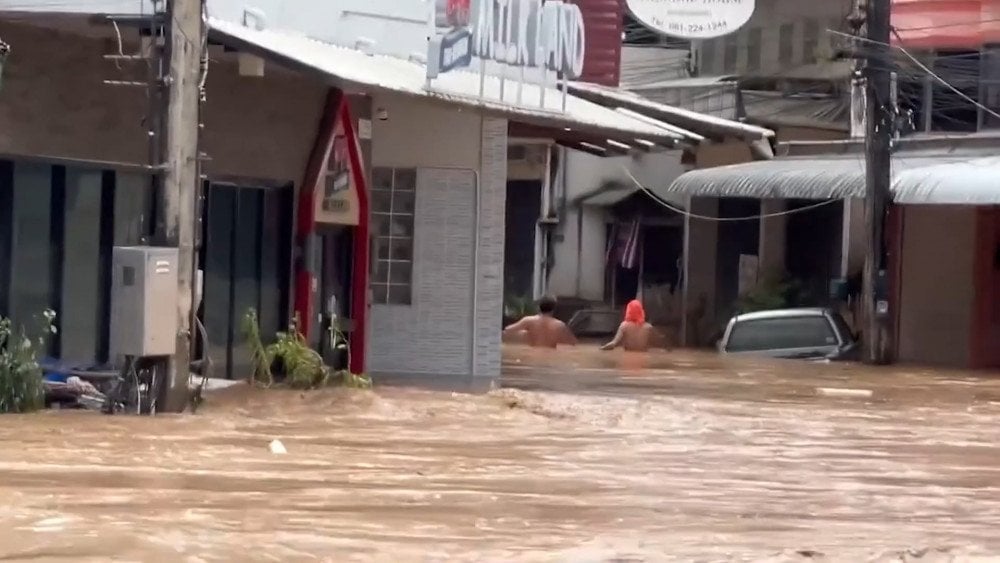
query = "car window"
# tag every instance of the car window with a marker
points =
(781, 334)
(842, 326)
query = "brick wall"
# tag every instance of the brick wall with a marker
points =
(489, 294)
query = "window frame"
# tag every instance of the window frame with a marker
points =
(386, 291)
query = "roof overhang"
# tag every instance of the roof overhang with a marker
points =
(959, 177)
(694, 125)
(357, 70)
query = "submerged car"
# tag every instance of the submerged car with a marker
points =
(808, 334)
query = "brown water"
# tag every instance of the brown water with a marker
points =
(585, 456)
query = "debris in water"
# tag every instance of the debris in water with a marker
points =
(835, 392)
(277, 447)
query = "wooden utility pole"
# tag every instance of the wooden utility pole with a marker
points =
(176, 220)
(878, 138)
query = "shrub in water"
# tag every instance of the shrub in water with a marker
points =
(21, 386)
(290, 358)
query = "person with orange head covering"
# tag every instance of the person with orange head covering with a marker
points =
(634, 334)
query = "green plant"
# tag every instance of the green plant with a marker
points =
(338, 341)
(517, 306)
(21, 384)
(774, 293)
(260, 358)
(300, 366)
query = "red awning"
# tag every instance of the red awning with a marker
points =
(946, 24)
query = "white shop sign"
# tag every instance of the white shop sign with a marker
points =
(531, 34)
(693, 19)
(521, 34)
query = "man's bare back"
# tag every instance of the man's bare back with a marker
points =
(541, 330)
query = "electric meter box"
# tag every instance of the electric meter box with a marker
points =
(143, 301)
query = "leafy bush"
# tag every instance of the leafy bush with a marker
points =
(776, 293)
(291, 357)
(21, 382)
(518, 306)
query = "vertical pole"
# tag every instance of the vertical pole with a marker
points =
(878, 138)
(184, 45)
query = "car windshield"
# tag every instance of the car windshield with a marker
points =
(781, 333)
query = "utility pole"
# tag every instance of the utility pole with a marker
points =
(179, 131)
(878, 139)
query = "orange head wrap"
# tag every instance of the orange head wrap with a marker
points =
(634, 313)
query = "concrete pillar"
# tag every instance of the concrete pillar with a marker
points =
(853, 237)
(701, 239)
(772, 239)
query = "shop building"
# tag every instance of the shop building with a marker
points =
(337, 180)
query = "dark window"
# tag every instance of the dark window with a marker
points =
(730, 55)
(786, 36)
(753, 49)
(707, 57)
(990, 81)
(781, 334)
(810, 42)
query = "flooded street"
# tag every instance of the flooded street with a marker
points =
(580, 456)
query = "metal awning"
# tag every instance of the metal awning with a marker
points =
(701, 124)
(918, 178)
(974, 181)
(608, 196)
(367, 72)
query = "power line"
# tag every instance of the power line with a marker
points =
(923, 67)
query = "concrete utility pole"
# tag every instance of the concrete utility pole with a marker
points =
(878, 139)
(176, 221)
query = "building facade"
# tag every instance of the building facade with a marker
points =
(338, 181)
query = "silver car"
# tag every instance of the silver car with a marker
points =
(814, 334)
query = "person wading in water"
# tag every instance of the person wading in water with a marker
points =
(542, 330)
(634, 334)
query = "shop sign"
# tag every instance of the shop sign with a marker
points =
(693, 19)
(517, 33)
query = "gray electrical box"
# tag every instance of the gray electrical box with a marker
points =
(143, 301)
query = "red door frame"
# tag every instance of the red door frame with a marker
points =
(336, 112)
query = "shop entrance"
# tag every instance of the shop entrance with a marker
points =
(335, 277)
(245, 254)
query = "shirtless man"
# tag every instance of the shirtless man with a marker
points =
(541, 330)
(634, 334)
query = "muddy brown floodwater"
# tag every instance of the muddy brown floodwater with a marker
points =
(581, 456)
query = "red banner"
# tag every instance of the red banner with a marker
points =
(946, 24)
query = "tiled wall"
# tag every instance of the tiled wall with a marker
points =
(453, 325)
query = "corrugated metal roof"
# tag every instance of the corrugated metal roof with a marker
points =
(608, 197)
(392, 74)
(602, 26)
(918, 177)
(700, 123)
(966, 182)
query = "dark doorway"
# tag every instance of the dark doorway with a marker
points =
(735, 238)
(524, 206)
(336, 273)
(246, 259)
(813, 252)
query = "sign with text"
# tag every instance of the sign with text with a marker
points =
(517, 33)
(693, 19)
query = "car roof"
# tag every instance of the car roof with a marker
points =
(783, 314)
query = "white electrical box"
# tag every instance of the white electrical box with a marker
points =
(143, 301)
